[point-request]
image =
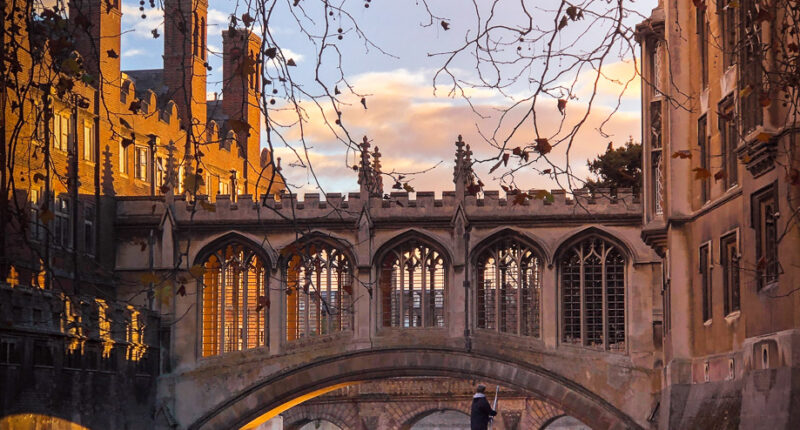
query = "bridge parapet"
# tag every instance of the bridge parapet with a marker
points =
(534, 204)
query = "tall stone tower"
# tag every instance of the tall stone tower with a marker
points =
(241, 77)
(185, 59)
(97, 37)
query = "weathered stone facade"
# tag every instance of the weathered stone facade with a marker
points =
(718, 163)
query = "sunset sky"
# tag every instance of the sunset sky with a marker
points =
(414, 128)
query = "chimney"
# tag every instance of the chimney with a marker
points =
(97, 37)
(185, 60)
(241, 85)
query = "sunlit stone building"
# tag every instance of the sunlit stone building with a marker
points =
(720, 207)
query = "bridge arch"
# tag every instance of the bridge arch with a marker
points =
(419, 416)
(270, 395)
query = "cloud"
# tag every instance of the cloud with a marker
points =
(142, 27)
(415, 131)
(133, 52)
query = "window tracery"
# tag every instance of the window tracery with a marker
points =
(593, 295)
(412, 286)
(509, 289)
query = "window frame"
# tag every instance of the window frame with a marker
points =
(89, 144)
(705, 157)
(141, 166)
(768, 276)
(427, 305)
(731, 274)
(608, 245)
(525, 252)
(705, 268)
(729, 138)
(124, 159)
(62, 124)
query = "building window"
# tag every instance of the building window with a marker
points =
(412, 286)
(729, 260)
(727, 21)
(705, 279)
(656, 157)
(61, 132)
(593, 295)
(88, 142)
(509, 284)
(10, 351)
(42, 354)
(764, 205)
(141, 155)
(38, 230)
(180, 178)
(224, 187)
(160, 174)
(234, 300)
(318, 291)
(750, 67)
(702, 42)
(665, 291)
(729, 139)
(63, 227)
(123, 159)
(88, 229)
(705, 158)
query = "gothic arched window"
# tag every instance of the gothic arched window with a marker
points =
(509, 283)
(319, 291)
(593, 295)
(412, 283)
(234, 300)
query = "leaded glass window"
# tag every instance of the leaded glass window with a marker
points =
(318, 291)
(593, 295)
(412, 286)
(508, 289)
(234, 300)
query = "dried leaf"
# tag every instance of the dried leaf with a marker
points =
(701, 173)
(542, 146)
(149, 278)
(263, 302)
(563, 22)
(112, 53)
(505, 158)
(271, 52)
(720, 175)
(562, 105)
(408, 188)
(684, 154)
(290, 62)
(496, 166)
(181, 291)
(543, 195)
(519, 198)
(46, 216)
(445, 25)
(210, 207)
(764, 137)
(197, 270)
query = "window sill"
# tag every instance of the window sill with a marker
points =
(707, 323)
(733, 317)
(769, 287)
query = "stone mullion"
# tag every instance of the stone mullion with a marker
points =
(223, 270)
(582, 276)
(605, 295)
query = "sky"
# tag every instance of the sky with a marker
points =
(413, 121)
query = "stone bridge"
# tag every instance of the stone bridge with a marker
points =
(279, 300)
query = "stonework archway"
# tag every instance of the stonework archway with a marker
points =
(277, 389)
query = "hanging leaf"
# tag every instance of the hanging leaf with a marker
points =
(149, 278)
(135, 106)
(720, 175)
(336, 90)
(563, 22)
(112, 53)
(197, 270)
(210, 207)
(262, 302)
(271, 52)
(46, 216)
(701, 173)
(543, 146)
(505, 158)
(562, 105)
(290, 62)
(764, 137)
(543, 195)
(684, 154)
(247, 19)
(125, 123)
(181, 291)
(445, 25)
(408, 188)
(496, 166)
(38, 176)
(519, 198)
